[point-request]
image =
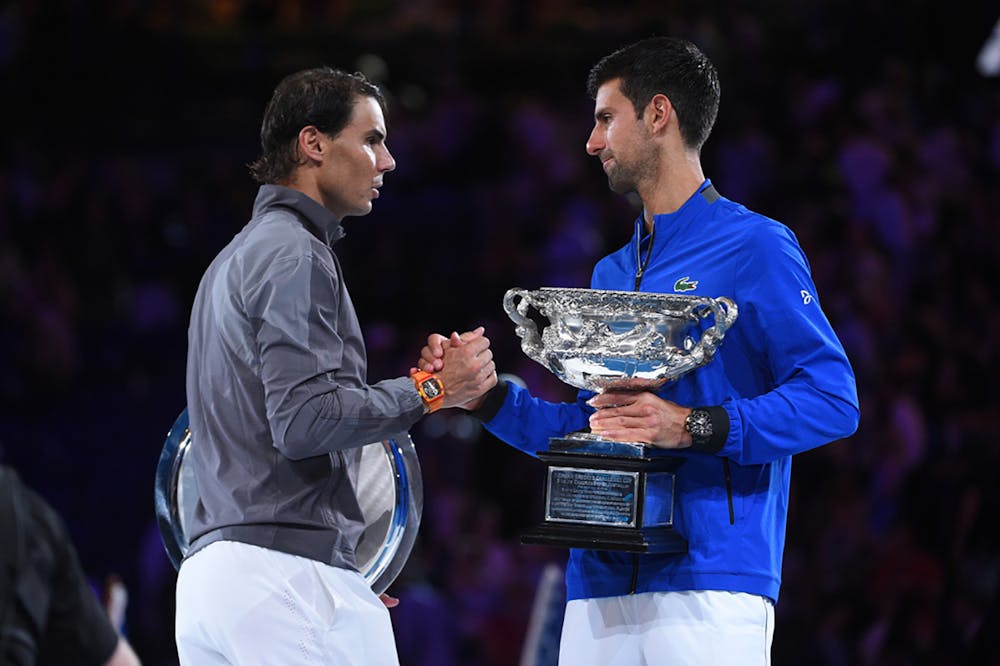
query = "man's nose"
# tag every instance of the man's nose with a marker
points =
(387, 163)
(595, 142)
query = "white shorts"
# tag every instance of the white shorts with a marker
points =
(242, 604)
(704, 628)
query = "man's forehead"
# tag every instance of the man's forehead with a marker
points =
(609, 94)
(367, 114)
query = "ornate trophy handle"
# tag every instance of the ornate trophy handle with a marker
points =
(724, 318)
(515, 303)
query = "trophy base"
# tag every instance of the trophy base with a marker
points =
(607, 495)
(662, 540)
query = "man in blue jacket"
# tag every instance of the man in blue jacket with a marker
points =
(779, 384)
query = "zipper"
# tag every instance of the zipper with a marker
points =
(729, 490)
(640, 261)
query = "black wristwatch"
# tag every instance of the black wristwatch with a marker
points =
(699, 426)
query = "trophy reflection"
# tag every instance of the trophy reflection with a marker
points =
(603, 494)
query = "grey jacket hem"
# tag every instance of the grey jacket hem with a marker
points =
(314, 544)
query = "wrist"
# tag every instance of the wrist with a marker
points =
(491, 402)
(708, 428)
(473, 404)
(431, 389)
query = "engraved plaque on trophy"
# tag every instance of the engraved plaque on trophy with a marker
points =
(602, 494)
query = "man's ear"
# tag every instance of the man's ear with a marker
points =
(658, 112)
(311, 144)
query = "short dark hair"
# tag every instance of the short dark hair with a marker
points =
(323, 97)
(674, 67)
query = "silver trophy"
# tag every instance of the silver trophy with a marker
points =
(389, 490)
(602, 494)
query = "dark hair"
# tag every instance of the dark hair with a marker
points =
(323, 97)
(674, 67)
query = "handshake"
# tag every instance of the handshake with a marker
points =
(463, 363)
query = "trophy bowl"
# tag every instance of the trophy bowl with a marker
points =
(390, 492)
(598, 339)
(603, 494)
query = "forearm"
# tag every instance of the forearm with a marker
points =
(312, 422)
(527, 423)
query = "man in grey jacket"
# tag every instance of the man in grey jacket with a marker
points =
(280, 405)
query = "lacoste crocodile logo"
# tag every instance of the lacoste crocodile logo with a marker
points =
(685, 284)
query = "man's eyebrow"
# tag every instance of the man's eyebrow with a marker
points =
(377, 133)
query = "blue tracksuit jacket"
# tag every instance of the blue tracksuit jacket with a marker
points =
(780, 374)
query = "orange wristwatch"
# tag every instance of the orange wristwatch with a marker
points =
(430, 389)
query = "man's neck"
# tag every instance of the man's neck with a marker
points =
(675, 184)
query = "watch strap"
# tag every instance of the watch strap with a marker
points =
(720, 430)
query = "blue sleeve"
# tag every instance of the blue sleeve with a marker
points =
(527, 422)
(814, 400)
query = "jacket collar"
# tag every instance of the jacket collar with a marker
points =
(324, 223)
(667, 225)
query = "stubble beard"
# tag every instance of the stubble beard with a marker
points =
(625, 178)
(621, 180)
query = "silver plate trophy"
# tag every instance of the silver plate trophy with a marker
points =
(602, 494)
(390, 491)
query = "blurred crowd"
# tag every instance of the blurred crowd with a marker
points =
(862, 126)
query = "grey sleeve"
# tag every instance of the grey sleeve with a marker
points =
(311, 356)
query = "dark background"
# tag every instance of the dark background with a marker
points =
(865, 127)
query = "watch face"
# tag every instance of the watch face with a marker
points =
(699, 424)
(431, 387)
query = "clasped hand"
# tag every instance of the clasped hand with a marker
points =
(463, 363)
(640, 417)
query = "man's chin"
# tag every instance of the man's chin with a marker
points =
(620, 187)
(360, 211)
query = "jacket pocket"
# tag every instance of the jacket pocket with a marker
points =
(727, 473)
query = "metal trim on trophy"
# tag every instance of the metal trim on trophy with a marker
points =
(602, 494)
(390, 491)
